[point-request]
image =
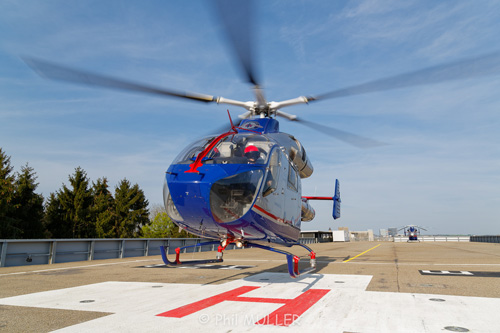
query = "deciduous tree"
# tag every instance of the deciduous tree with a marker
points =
(161, 226)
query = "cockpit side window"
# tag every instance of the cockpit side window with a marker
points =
(292, 178)
(272, 175)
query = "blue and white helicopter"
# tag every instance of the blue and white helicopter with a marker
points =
(412, 231)
(243, 185)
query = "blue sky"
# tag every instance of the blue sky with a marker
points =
(440, 169)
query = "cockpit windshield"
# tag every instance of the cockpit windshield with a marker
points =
(240, 148)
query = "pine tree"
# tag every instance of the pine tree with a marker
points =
(8, 228)
(103, 209)
(54, 219)
(131, 210)
(28, 205)
(69, 211)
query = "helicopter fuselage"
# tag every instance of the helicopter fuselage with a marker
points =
(412, 233)
(214, 190)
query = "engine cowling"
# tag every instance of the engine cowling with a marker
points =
(307, 212)
(299, 157)
(297, 153)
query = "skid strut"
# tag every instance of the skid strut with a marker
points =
(192, 262)
(292, 260)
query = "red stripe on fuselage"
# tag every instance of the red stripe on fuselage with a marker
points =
(272, 216)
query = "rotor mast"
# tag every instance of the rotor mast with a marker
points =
(260, 107)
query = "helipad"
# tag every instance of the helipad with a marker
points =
(251, 292)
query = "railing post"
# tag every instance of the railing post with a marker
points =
(3, 255)
(91, 250)
(53, 251)
(146, 250)
(122, 248)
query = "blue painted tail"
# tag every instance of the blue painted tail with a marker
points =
(336, 200)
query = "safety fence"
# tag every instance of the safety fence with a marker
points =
(14, 252)
(51, 251)
(434, 238)
(485, 239)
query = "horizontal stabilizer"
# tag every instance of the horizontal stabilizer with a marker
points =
(335, 198)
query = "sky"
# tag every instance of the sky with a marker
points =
(440, 167)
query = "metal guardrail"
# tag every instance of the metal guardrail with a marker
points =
(21, 252)
(15, 252)
(435, 238)
(485, 239)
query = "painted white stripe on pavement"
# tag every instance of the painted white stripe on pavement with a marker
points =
(75, 267)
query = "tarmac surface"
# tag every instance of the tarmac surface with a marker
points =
(357, 287)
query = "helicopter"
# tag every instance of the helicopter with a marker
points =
(413, 232)
(243, 184)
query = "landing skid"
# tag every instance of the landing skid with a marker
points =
(292, 260)
(178, 250)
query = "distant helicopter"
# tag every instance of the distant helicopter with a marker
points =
(413, 231)
(243, 185)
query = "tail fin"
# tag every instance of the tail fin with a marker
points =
(336, 200)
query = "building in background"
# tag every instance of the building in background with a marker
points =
(318, 235)
(358, 236)
(341, 236)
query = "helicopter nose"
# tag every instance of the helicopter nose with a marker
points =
(186, 199)
(212, 197)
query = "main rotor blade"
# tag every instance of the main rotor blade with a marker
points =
(350, 138)
(237, 19)
(57, 72)
(467, 68)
